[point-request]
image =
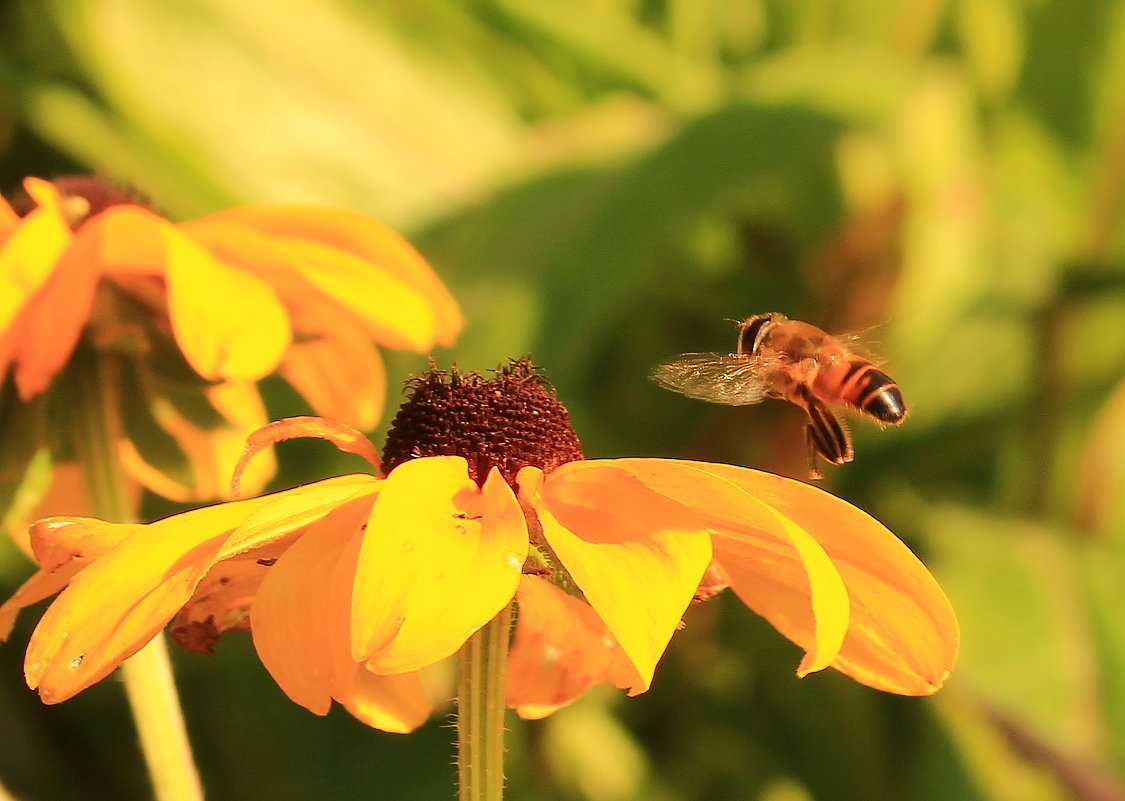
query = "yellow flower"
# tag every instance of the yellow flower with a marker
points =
(352, 585)
(196, 313)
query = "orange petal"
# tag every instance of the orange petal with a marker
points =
(300, 615)
(441, 558)
(561, 649)
(637, 556)
(902, 635)
(758, 536)
(341, 375)
(301, 632)
(356, 234)
(130, 240)
(229, 323)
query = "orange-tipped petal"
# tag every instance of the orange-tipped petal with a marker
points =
(229, 323)
(301, 632)
(561, 649)
(441, 558)
(355, 234)
(637, 556)
(902, 634)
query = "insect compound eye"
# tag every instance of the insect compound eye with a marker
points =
(752, 331)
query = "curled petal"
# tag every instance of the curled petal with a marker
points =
(561, 649)
(441, 558)
(637, 556)
(902, 633)
(212, 450)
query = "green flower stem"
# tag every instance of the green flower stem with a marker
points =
(153, 698)
(482, 664)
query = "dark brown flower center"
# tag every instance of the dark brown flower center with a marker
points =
(83, 197)
(509, 421)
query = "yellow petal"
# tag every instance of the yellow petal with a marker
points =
(561, 649)
(9, 220)
(56, 541)
(355, 234)
(341, 376)
(764, 540)
(637, 556)
(213, 451)
(398, 703)
(229, 324)
(301, 631)
(119, 602)
(902, 633)
(292, 511)
(42, 584)
(55, 317)
(31, 251)
(441, 557)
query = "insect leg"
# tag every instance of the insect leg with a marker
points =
(826, 434)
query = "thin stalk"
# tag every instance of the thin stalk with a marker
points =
(149, 685)
(481, 668)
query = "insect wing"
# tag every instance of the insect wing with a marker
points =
(713, 377)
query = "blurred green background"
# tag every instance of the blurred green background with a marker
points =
(603, 183)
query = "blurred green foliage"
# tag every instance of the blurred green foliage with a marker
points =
(603, 183)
